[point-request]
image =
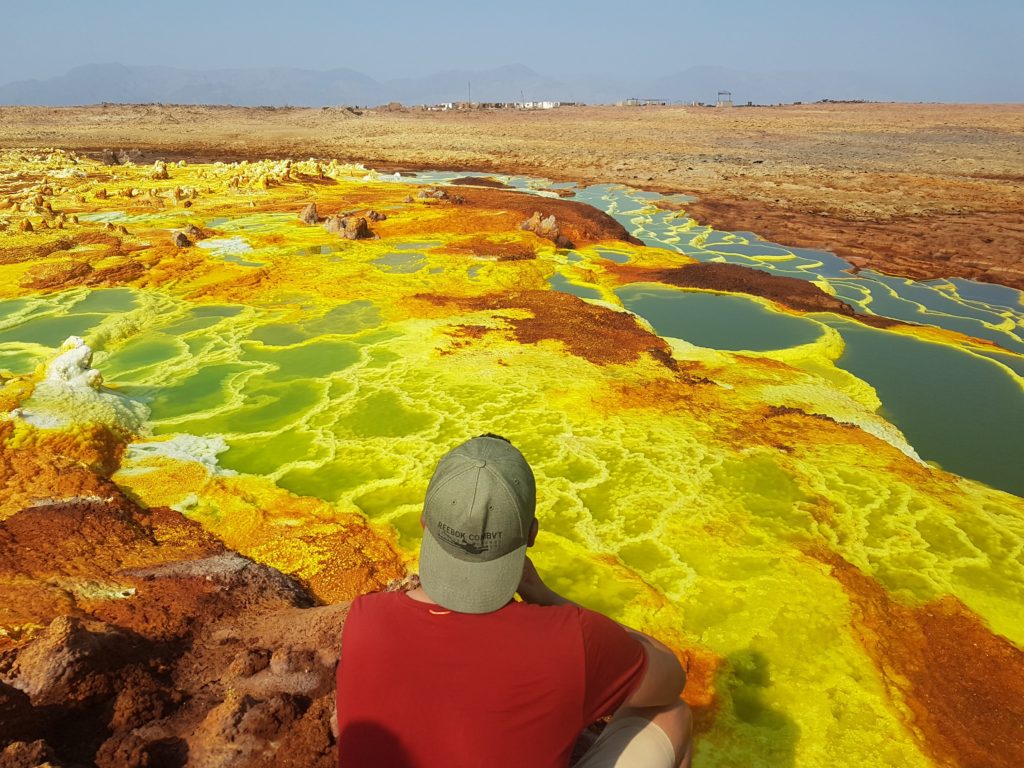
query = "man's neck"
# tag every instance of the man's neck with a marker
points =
(420, 596)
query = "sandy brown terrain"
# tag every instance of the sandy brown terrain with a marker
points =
(916, 190)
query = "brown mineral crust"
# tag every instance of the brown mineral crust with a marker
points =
(56, 274)
(353, 561)
(59, 275)
(784, 427)
(702, 669)
(485, 247)
(56, 465)
(792, 292)
(482, 181)
(22, 253)
(69, 556)
(163, 670)
(963, 684)
(97, 538)
(580, 223)
(801, 295)
(982, 246)
(597, 334)
(56, 245)
(127, 271)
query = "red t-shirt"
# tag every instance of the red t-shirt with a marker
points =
(422, 687)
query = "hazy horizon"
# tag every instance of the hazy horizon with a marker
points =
(906, 50)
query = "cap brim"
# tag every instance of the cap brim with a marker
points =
(468, 587)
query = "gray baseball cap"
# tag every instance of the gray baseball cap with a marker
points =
(477, 515)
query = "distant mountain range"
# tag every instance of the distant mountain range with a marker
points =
(118, 83)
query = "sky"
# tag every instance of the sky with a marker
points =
(943, 50)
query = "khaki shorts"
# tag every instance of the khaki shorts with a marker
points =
(632, 742)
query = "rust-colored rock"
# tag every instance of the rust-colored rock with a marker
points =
(801, 295)
(56, 274)
(56, 465)
(963, 684)
(580, 224)
(127, 271)
(597, 334)
(480, 181)
(485, 247)
(204, 653)
(72, 663)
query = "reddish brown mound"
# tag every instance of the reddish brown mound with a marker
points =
(963, 684)
(56, 274)
(597, 334)
(483, 181)
(791, 292)
(60, 465)
(801, 295)
(201, 654)
(61, 558)
(65, 274)
(580, 223)
(488, 248)
(977, 246)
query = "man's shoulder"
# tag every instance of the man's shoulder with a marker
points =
(556, 613)
(374, 603)
(377, 600)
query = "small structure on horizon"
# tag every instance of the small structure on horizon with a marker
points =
(643, 103)
(448, 106)
(724, 99)
(537, 104)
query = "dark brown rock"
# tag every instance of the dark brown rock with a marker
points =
(16, 716)
(72, 663)
(180, 239)
(143, 748)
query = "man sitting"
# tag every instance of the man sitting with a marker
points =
(456, 673)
